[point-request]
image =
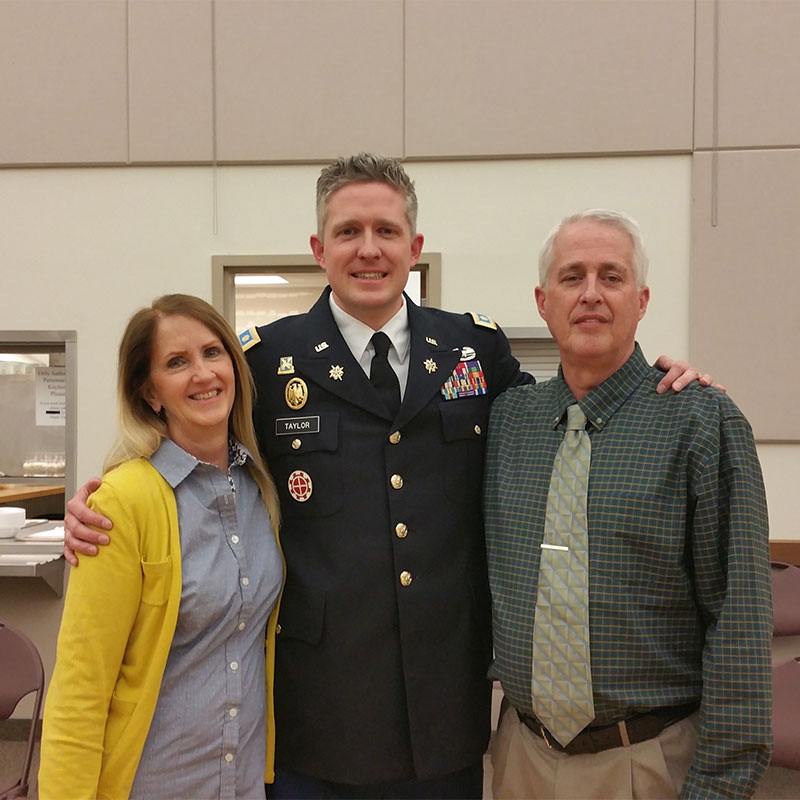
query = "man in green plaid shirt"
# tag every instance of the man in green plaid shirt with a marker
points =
(680, 617)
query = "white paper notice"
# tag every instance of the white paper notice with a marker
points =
(51, 396)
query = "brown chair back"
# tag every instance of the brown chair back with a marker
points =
(21, 672)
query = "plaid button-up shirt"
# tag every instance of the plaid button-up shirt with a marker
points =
(679, 586)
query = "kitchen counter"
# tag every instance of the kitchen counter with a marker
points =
(36, 557)
(18, 492)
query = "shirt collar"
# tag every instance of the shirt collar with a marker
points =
(237, 453)
(357, 335)
(174, 464)
(604, 400)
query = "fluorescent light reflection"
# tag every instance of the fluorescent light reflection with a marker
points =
(258, 280)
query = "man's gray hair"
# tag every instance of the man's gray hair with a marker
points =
(365, 168)
(614, 219)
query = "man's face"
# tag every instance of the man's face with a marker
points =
(591, 303)
(367, 250)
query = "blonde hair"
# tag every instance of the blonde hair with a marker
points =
(140, 429)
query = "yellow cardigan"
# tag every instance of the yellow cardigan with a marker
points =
(119, 618)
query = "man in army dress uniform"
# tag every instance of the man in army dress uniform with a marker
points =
(385, 630)
(384, 642)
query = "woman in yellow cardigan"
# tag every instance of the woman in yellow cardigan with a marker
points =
(159, 689)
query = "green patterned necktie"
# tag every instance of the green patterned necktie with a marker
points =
(562, 672)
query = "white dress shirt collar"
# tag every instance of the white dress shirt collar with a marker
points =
(357, 335)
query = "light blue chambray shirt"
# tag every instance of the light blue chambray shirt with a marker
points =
(207, 738)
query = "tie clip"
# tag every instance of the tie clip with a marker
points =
(554, 547)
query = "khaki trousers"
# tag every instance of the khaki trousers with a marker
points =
(525, 768)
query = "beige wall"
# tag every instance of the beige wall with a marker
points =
(151, 81)
(83, 248)
(121, 82)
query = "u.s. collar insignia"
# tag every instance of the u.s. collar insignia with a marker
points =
(249, 338)
(286, 366)
(296, 393)
(321, 346)
(467, 353)
(431, 340)
(336, 372)
(430, 365)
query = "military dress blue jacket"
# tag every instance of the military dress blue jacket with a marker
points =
(385, 640)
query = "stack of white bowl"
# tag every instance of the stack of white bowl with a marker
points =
(11, 521)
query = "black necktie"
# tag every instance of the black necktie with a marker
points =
(382, 375)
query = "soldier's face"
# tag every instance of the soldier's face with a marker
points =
(367, 250)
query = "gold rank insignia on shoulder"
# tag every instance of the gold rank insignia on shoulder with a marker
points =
(286, 367)
(249, 338)
(483, 321)
(296, 393)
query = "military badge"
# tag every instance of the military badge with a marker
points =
(467, 354)
(467, 380)
(320, 347)
(430, 365)
(296, 393)
(300, 486)
(336, 372)
(286, 367)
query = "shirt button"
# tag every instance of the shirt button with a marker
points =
(395, 437)
(278, 628)
(401, 529)
(245, 581)
(397, 481)
(234, 665)
(229, 757)
(478, 429)
(235, 539)
(240, 626)
(405, 578)
(233, 712)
